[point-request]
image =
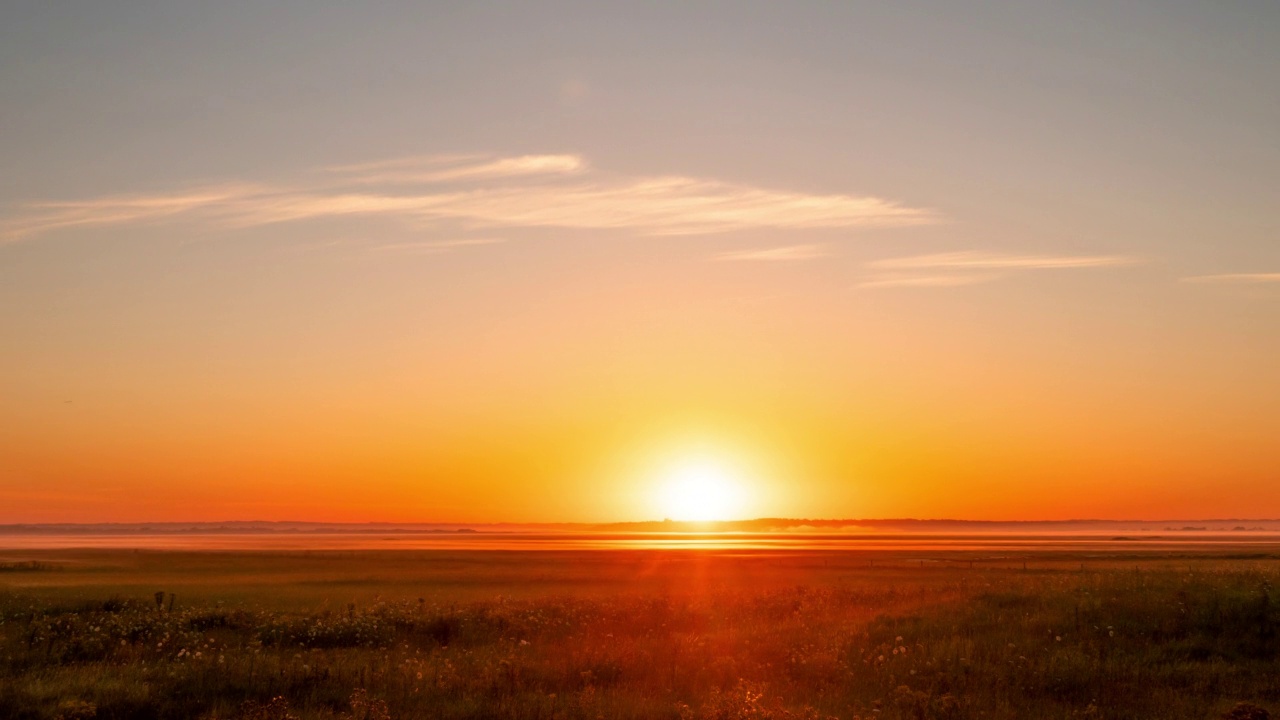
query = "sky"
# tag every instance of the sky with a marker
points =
(536, 262)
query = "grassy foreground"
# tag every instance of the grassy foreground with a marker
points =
(723, 638)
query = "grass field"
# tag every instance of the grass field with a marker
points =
(634, 634)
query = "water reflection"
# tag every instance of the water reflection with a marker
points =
(764, 542)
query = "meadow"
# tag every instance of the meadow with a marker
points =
(684, 635)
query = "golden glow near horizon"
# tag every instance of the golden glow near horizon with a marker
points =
(702, 489)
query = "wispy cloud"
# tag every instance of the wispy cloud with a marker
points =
(1235, 278)
(993, 261)
(903, 280)
(786, 252)
(956, 269)
(46, 216)
(437, 247)
(438, 169)
(517, 192)
(408, 162)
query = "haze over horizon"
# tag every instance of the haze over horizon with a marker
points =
(762, 523)
(590, 262)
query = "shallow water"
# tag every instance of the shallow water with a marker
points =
(1245, 542)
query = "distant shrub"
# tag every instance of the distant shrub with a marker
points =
(1246, 711)
(28, 566)
(76, 710)
(441, 630)
(364, 707)
(115, 604)
(277, 708)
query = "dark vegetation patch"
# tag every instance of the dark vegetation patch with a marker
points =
(28, 566)
(945, 644)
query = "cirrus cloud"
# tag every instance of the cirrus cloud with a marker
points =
(438, 169)
(955, 269)
(971, 260)
(436, 247)
(528, 191)
(1235, 278)
(774, 254)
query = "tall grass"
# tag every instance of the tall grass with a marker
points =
(943, 644)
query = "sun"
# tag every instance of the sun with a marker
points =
(701, 489)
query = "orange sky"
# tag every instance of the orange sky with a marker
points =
(466, 267)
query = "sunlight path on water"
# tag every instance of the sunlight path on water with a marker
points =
(757, 542)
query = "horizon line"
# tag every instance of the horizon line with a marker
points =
(583, 523)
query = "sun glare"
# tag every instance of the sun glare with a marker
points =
(701, 490)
